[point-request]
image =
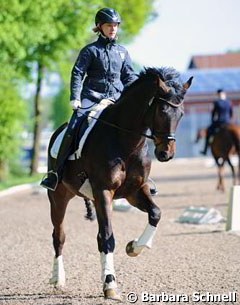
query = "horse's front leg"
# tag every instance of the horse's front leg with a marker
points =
(106, 243)
(58, 200)
(143, 201)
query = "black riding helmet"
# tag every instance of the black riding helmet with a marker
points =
(107, 15)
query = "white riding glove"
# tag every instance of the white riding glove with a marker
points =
(75, 104)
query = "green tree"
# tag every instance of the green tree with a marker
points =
(61, 111)
(12, 115)
(36, 36)
(132, 22)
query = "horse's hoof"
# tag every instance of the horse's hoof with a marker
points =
(112, 294)
(130, 249)
(57, 284)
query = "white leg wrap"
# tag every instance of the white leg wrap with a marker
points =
(107, 266)
(58, 273)
(111, 285)
(145, 240)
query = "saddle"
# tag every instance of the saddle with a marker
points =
(82, 132)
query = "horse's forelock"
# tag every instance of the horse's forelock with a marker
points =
(172, 79)
(165, 73)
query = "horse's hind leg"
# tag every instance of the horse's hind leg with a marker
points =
(233, 171)
(143, 201)
(220, 164)
(58, 202)
(239, 168)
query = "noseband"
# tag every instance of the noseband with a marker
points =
(169, 137)
(170, 103)
(165, 136)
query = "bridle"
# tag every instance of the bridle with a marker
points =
(170, 103)
(167, 136)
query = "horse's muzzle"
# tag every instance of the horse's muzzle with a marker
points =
(165, 148)
(163, 156)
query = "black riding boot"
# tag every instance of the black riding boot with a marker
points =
(55, 175)
(204, 152)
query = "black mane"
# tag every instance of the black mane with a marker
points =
(167, 74)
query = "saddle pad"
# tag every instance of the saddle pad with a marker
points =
(86, 189)
(56, 145)
(93, 115)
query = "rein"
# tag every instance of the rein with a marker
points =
(170, 136)
(151, 137)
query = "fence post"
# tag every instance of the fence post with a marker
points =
(233, 217)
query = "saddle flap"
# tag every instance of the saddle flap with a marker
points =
(84, 129)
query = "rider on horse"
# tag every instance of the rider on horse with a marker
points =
(102, 70)
(221, 115)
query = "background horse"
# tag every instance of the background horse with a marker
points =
(225, 142)
(115, 160)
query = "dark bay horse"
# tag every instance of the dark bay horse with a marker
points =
(116, 162)
(224, 144)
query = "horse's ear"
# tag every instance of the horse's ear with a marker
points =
(188, 83)
(163, 86)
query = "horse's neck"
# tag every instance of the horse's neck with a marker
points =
(130, 114)
(132, 109)
(235, 129)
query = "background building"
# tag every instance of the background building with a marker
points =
(210, 74)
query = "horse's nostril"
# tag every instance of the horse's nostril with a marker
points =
(163, 155)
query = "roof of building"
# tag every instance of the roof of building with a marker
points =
(210, 80)
(228, 60)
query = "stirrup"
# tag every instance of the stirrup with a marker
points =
(46, 177)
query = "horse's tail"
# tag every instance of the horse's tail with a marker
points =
(237, 143)
(91, 214)
(236, 139)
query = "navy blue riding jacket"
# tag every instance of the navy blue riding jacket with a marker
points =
(102, 70)
(222, 112)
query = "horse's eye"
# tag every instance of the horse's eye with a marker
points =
(164, 107)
